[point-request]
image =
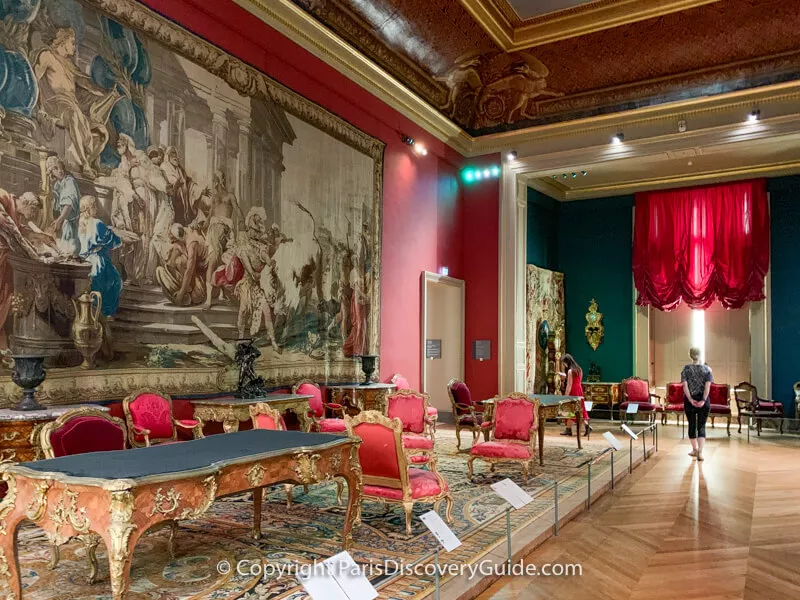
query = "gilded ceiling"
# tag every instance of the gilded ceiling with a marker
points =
(452, 54)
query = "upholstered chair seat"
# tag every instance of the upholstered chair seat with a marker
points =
(317, 419)
(385, 471)
(750, 404)
(513, 431)
(637, 391)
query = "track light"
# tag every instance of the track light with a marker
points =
(583, 173)
(618, 138)
(407, 139)
(574, 175)
(512, 155)
(754, 116)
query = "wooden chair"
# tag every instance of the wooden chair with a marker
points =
(386, 474)
(636, 390)
(467, 413)
(412, 409)
(749, 404)
(402, 384)
(513, 430)
(148, 415)
(318, 421)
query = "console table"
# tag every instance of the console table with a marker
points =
(356, 397)
(602, 393)
(129, 491)
(229, 410)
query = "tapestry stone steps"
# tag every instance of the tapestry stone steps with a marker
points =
(146, 317)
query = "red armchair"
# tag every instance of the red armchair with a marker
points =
(402, 384)
(266, 417)
(673, 403)
(150, 420)
(386, 474)
(719, 397)
(513, 431)
(411, 408)
(637, 391)
(318, 420)
(467, 413)
(749, 404)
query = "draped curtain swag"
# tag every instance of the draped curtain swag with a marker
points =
(701, 244)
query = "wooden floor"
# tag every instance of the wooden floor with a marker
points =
(728, 527)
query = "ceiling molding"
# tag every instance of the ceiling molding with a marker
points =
(511, 36)
(304, 30)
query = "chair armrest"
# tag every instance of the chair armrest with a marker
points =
(334, 408)
(144, 433)
(487, 425)
(657, 397)
(196, 429)
(464, 407)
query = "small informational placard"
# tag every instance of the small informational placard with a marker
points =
(612, 440)
(339, 579)
(482, 349)
(629, 431)
(512, 493)
(633, 408)
(588, 404)
(440, 530)
(433, 348)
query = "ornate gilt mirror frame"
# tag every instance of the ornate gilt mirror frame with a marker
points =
(594, 325)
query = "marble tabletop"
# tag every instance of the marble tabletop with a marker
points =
(364, 386)
(233, 401)
(48, 412)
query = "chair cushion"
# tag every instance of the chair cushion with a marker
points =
(674, 407)
(433, 412)
(188, 422)
(468, 420)
(765, 405)
(332, 426)
(266, 422)
(513, 419)
(675, 394)
(87, 434)
(417, 442)
(716, 409)
(401, 382)
(719, 394)
(419, 458)
(410, 409)
(501, 450)
(315, 402)
(423, 484)
(379, 451)
(461, 394)
(151, 411)
(643, 406)
(334, 405)
(637, 390)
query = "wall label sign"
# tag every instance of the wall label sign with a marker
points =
(433, 348)
(481, 349)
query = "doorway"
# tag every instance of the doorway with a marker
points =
(442, 336)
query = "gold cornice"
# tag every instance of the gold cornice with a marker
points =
(303, 29)
(581, 20)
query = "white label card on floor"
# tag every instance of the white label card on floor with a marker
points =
(612, 440)
(338, 578)
(588, 404)
(440, 530)
(512, 493)
(632, 409)
(629, 431)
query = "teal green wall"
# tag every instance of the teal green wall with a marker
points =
(785, 266)
(595, 253)
(542, 236)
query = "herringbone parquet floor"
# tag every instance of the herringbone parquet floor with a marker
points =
(728, 527)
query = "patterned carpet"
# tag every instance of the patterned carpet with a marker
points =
(310, 530)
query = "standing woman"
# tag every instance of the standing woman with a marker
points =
(696, 378)
(574, 388)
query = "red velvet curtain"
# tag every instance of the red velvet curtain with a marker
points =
(702, 244)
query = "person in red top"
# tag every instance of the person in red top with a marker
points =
(573, 387)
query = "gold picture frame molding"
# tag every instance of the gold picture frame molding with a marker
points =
(70, 385)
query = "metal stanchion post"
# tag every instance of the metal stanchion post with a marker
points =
(508, 536)
(656, 437)
(612, 469)
(589, 489)
(644, 448)
(436, 574)
(630, 456)
(555, 508)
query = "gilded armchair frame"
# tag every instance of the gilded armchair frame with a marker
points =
(654, 398)
(431, 419)
(313, 421)
(427, 429)
(530, 443)
(407, 502)
(197, 430)
(475, 428)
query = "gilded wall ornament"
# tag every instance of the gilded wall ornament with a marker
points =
(594, 326)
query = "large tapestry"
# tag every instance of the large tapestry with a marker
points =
(160, 200)
(544, 323)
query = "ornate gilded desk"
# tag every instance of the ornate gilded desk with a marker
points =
(126, 493)
(18, 429)
(229, 410)
(552, 406)
(361, 396)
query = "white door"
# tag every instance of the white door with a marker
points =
(442, 336)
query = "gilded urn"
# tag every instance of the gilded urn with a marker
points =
(87, 330)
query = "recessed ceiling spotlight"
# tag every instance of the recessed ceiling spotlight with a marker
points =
(754, 116)
(563, 176)
(407, 139)
(555, 176)
(583, 173)
(618, 138)
(574, 175)
(512, 155)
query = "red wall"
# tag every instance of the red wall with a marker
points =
(425, 225)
